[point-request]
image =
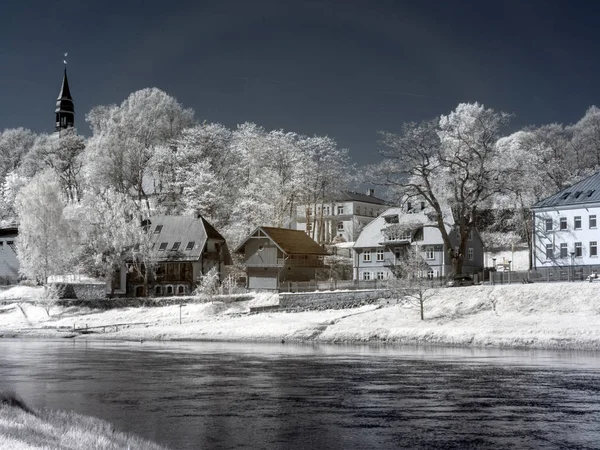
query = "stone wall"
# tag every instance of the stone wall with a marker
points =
(81, 291)
(331, 300)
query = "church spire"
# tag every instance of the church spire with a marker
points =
(65, 111)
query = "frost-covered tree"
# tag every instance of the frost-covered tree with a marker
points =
(125, 138)
(62, 152)
(452, 164)
(109, 230)
(15, 143)
(45, 244)
(13, 183)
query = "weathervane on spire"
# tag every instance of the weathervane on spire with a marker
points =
(65, 60)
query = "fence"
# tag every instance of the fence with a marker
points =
(332, 285)
(543, 274)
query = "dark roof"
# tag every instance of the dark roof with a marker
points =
(584, 192)
(291, 242)
(357, 197)
(182, 229)
(64, 102)
(9, 231)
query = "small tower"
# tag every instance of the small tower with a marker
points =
(65, 111)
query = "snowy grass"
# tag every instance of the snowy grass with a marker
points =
(544, 315)
(22, 428)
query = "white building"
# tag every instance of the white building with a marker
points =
(342, 219)
(379, 252)
(565, 226)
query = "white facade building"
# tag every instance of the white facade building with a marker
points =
(565, 226)
(342, 219)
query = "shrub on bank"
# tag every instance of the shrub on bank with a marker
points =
(24, 428)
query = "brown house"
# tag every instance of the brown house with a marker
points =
(183, 249)
(276, 255)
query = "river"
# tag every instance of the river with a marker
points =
(282, 396)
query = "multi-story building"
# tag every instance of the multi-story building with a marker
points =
(565, 226)
(381, 246)
(342, 219)
(9, 264)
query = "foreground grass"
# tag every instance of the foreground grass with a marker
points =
(24, 428)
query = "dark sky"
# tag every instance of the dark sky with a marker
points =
(340, 68)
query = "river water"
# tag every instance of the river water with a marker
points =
(282, 396)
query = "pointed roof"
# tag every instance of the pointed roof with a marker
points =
(585, 192)
(64, 102)
(290, 242)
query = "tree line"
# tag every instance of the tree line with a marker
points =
(79, 202)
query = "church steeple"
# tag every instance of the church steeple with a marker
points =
(65, 111)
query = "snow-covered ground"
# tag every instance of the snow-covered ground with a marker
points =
(545, 315)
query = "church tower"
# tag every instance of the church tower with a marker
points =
(65, 112)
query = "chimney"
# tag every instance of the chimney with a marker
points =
(371, 192)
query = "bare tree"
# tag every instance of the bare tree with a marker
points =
(412, 282)
(451, 164)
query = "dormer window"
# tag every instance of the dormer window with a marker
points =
(163, 246)
(189, 246)
(589, 193)
(175, 246)
(391, 219)
(577, 194)
(565, 195)
(158, 229)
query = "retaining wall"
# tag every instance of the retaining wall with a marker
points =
(331, 300)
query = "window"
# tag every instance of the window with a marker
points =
(471, 235)
(565, 195)
(380, 254)
(181, 289)
(563, 223)
(367, 256)
(563, 250)
(340, 226)
(176, 245)
(471, 254)
(326, 210)
(366, 276)
(340, 210)
(371, 212)
(548, 224)
(169, 289)
(430, 253)
(397, 253)
(391, 219)
(158, 290)
(577, 194)
(593, 248)
(158, 229)
(578, 249)
(593, 221)
(549, 251)
(578, 222)
(163, 246)
(358, 210)
(380, 275)
(190, 245)
(430, 274)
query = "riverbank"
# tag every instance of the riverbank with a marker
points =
(23, 428)
(545, 315)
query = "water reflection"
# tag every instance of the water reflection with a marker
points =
(226, 395)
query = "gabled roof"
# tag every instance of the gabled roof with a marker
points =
(585, 192)
(182, 229)
(290, 242)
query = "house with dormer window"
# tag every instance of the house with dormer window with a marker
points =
(381, 246)
(183, 248)
(565, 226)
